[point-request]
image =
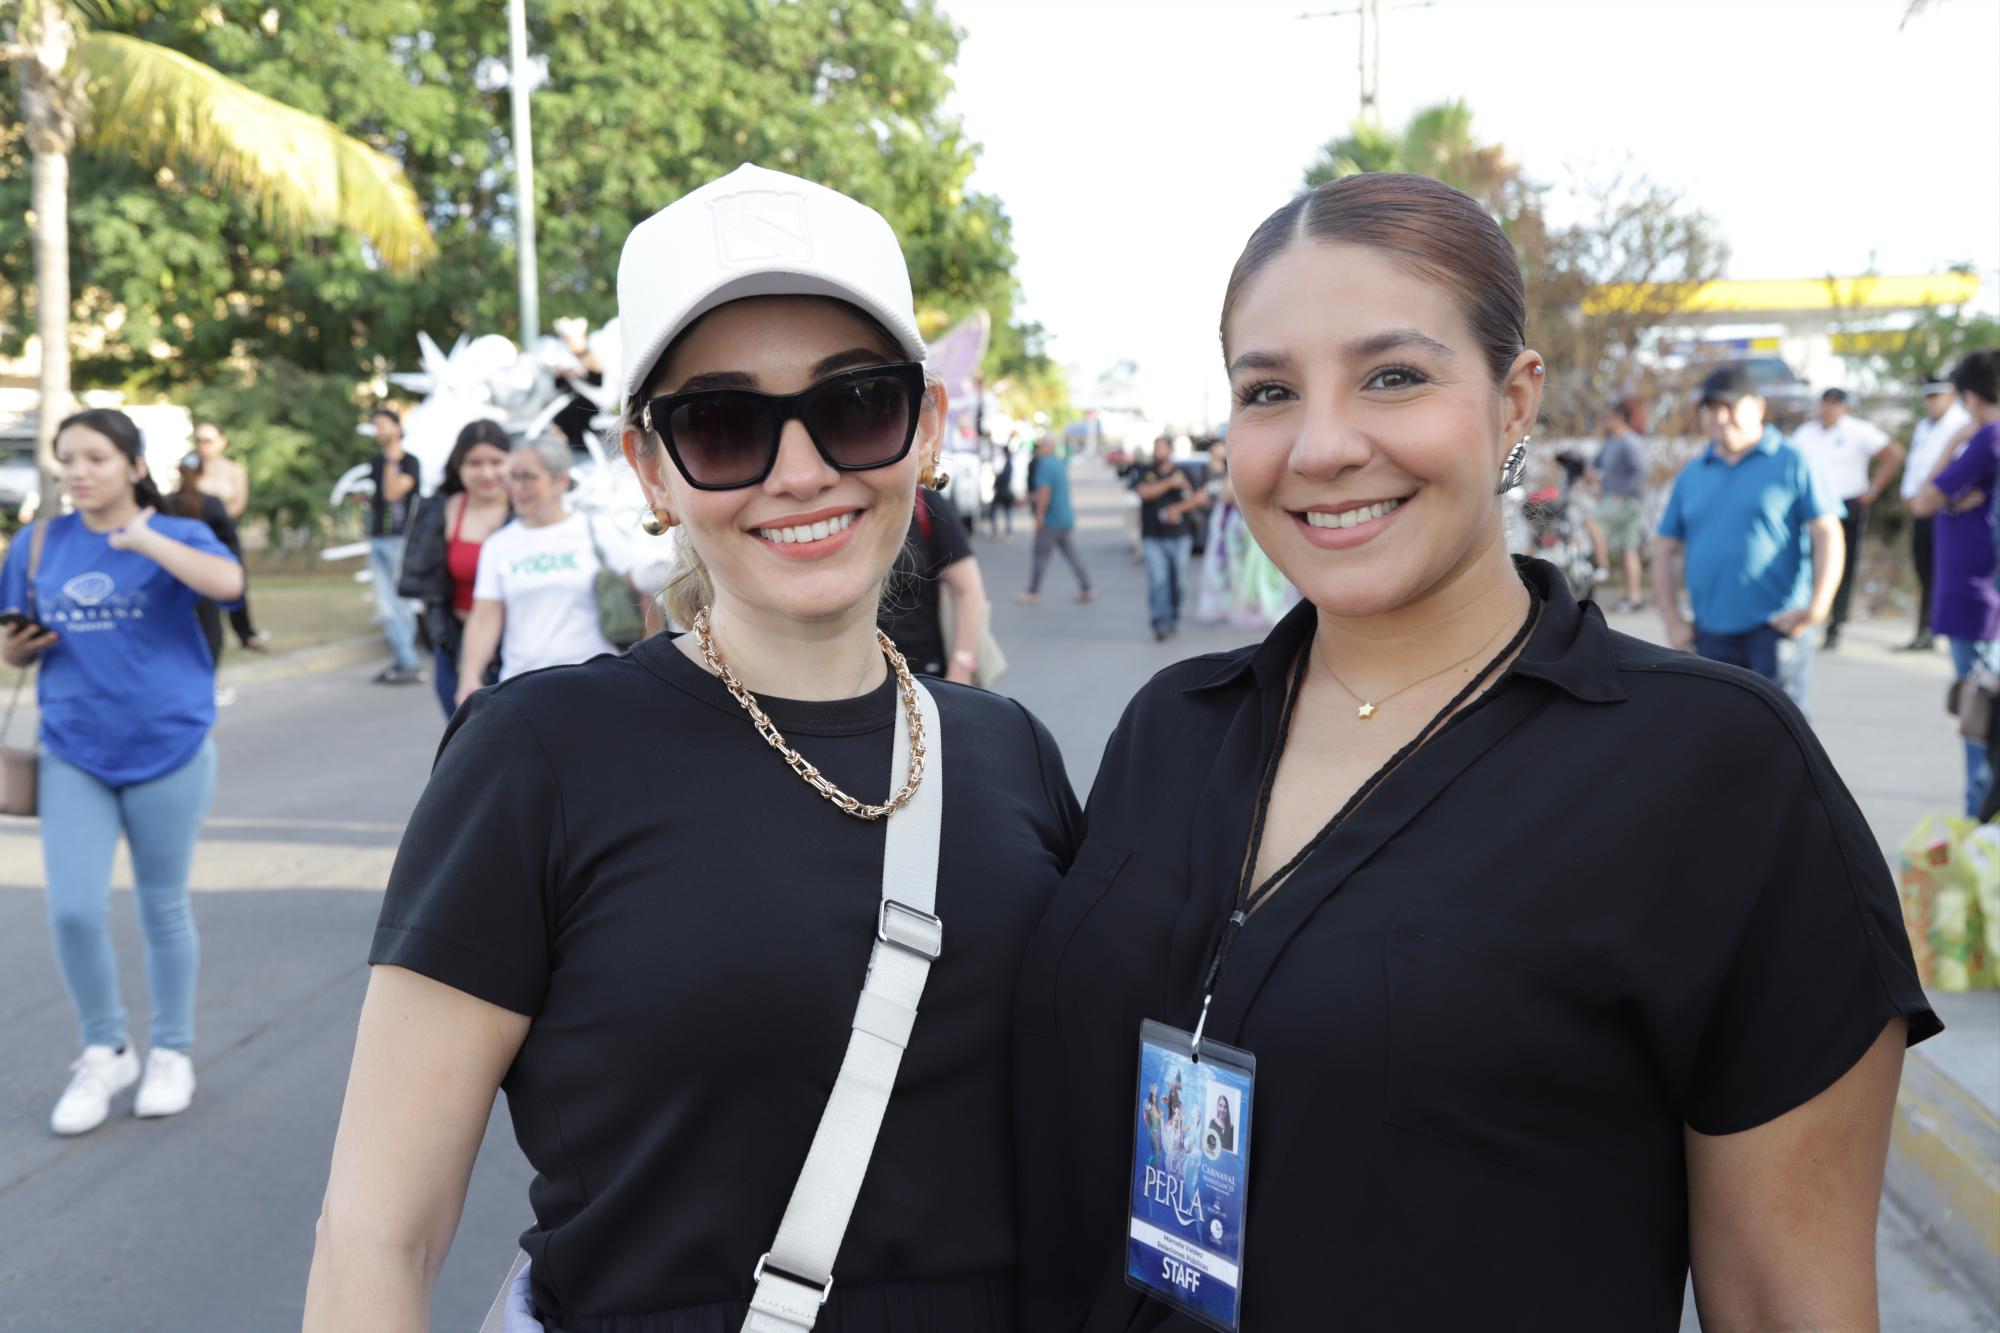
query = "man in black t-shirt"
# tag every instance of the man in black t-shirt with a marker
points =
(396, 477)
(1168, 497)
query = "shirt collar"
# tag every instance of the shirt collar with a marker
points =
(1569, 648)
(1767, 444)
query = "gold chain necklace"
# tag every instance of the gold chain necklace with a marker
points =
(1366, 711)
(800, 765)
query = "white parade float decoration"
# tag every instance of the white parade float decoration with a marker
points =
(489, 378)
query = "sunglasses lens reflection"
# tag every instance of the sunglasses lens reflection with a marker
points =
(863, 422)
(724, 439)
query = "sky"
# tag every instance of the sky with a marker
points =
(1137, 143)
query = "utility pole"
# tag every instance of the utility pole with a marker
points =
(1371, 57)
(1370, 14)
(524, 174)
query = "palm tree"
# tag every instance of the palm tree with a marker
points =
(114, 92)
(1437, 142)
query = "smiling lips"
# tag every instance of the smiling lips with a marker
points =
(1348, 518)
(809, 535)
(1343, 526)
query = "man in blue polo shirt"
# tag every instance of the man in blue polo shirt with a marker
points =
(1760, 536)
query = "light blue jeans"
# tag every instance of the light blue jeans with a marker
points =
(1166, 578)
(395, 614)
(81, 820)
(1795, 667)
(1978, 769)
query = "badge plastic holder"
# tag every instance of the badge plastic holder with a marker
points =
(1189, 1187)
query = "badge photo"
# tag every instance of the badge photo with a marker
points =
(1190, 1175)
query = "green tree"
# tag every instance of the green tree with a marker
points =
(1937, 340)
(1437, 142)
(117, 93)
(1025, 376)
(643, 100)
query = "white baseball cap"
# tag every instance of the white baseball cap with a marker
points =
(756, 233)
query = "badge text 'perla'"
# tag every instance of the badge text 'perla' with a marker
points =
(1168, 1188)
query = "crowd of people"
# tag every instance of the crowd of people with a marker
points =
(122, 599)
(1758, 545)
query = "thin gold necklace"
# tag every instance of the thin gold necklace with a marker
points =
(1367, 709)
(769, 731)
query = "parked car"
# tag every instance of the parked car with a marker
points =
(19, 477)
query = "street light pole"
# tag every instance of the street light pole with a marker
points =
(524, 173)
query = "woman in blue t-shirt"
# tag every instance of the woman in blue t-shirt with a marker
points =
(127, 697)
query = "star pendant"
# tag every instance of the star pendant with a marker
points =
(1365, 712)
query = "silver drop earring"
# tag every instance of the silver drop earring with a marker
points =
(1516, 465)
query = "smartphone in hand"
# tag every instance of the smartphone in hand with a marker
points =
(12, 618)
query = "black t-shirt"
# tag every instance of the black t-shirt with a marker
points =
(1622, 893)
(612, 849)
(388, 518)
(909, 612)
(1151, 521)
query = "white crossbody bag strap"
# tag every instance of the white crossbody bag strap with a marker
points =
(796, 1276)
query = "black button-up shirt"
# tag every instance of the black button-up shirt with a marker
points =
(1622, 893)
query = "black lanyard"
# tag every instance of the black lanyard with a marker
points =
(1246, 896)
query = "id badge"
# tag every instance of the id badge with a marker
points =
(1190, 1175)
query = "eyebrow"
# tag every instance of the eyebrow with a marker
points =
(1359, 349)
(1376, 344)
(717, 379)
(1260, 361)
(850, 359)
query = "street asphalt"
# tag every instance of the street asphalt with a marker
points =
(204, 1221)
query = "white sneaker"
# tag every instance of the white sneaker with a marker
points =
(169, 1085)
(98, 1075)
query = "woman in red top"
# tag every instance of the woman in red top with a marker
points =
(443, 553)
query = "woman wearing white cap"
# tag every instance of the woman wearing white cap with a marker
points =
(651, 924)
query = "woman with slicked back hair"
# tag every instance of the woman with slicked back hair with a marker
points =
(1488, 1064)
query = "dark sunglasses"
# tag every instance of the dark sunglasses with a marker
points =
(723, 439)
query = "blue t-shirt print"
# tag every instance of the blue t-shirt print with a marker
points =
(128, 692)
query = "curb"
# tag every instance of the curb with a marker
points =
(306, 661)
(1944, 1169)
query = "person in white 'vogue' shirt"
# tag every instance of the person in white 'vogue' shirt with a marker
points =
(1839, 446)
(534, 599)
(1944, 418)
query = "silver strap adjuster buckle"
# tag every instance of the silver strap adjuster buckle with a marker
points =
(910, 930)
(825, 1288)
